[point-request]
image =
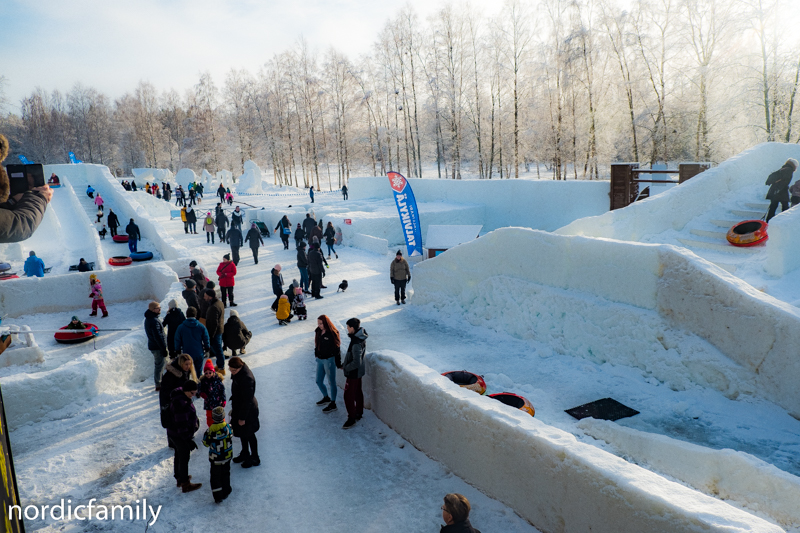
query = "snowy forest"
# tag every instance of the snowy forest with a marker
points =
(556, 89)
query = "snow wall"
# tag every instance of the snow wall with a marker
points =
(753, 336)
(127, 206)
(54, 294)
(543, 473)
(783, 246)
(537, 204)
(674, 208)
(31, 397)
(158, 175)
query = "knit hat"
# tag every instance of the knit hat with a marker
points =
(208, 366)
(302, 244)
(234, 312)
(76, 318)
(190, 284)
(295, 283)
(189, 386)
(218, 414)
(399, 253)
(253, 225)
(278, 267)
(172, 304)
(227, 256)
(298, 225)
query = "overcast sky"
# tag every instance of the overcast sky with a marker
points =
(112, 44)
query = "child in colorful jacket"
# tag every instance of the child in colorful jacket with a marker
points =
(299, 304)
(283, 314)
(97, 296)
(219, 439)
(211, 389)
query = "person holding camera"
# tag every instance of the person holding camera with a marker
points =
(22, 212)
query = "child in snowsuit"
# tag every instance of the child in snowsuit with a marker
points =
(97, 296)
(99, 215)
(211, 389)
(299, 304)
(283, 314)
(229, 198)
(219, 439)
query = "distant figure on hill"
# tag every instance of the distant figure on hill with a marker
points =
(344, 191)
(779, 187)
(311, 193)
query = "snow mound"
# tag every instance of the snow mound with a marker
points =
(184, 177)
(250, 181)
(158, 175)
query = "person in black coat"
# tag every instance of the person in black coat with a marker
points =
(299, 235)
(344, 191)
(277, 285)
(308, 225)
(133, 235)
(156, 340)
(113, 222)
(316, 271)
(455, 513)
(177, 372)
(254, 236)
(235, 239)
(222, 222)
(302, 266)
(190, 295)
(174, 318)
(284, 228)
(191, 219)
(183, 425)
(221, 193)
(244, 412)
(779, 187)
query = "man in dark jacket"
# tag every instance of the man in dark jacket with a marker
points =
(277, 285)
(192, 338)
(235, 239)
(174, 318)
(316, 231)
(221, 193)
(779, 187)
(302, 266)
(344, 191)
(215, 322)
(133, 235)
(156, 341)
(299, 235)
(190, 294)
(354, 368)
(244, 412)
(181, 432)
(113, 222)
(221, 219)
(316, 271)
(455, 513)
(308, 225)
(400, 275)
(254, 236)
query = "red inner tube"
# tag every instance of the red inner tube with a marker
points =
(509, 398)
(120, 238)
(120, 260)
(748, 233)
(73, 338)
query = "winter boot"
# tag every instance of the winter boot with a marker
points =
(179, 483)
(252, 461)
(324, 401)
(93, 313)
(331, 408)
(105, 314)
(240, 458)
(350, 423)
(188, 486)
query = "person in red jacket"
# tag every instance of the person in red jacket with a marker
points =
(226, 271)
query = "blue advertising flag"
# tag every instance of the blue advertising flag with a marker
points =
(409, 215)
(73, 159)
(24, 160)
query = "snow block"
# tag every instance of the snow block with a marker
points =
(727, 474)
(250, 181)
(184, 177)
(783, 246)
(543, 473)
(371, 244)
(158, 175)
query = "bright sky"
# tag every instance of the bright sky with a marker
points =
(112, 45)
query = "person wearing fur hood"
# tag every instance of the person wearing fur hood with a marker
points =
(211, 389)
(235, 334)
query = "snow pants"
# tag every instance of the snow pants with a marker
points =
(113, 230)
(227, 293)
(773, 207)
(255, 253)
(399, 289)
(101, 304)
(220, 479)
(210, 237)
(235, 255)
(327, 367)
(183, 449)
(354, 398)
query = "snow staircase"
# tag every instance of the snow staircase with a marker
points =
(709, 242)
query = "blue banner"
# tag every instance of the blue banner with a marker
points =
(73, 159)
(24, 160)
(409, 216)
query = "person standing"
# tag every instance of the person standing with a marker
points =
(192, 338)
(316, 271)
(156, 341)
(302, 266)
(222, 223)
(97, 296)
(113, 222)
(198, 188)
(237, 218)
(177, 373)
(235, 239)
(779, 187)
(183, 426)
(455, 513)
(191, 219)
(284, 227)
(192, 196)
(308, 225)
(133, 235)
(244, 412)
(344, 191)
(219, 441)
(209, 227)
(226, 272)
(179, 196)
(133, 185)
(400, 275)
(190, 294)
(34, 266)
(311, 193)
(254, 236)
(299, 235)
(277, 285)
(174, 318)
(98, 201)
(330, 239)
(327, 352)
(316, 231)
(221, 193)
(354, 369)
(215, 322)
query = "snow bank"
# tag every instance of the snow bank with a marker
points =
(52, 294)
(127, 207)
(783, 246)
(543, 473)
(184, 177)
(677, 206)
(540, 204)
(158, 175)
(155, 206)
(31, 397)
(727, 474)
(250, 181)
(371, 244)
(529, 283)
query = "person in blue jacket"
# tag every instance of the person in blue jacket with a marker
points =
(34, 266)
(311, 193)
(90, 191)
(192, 338)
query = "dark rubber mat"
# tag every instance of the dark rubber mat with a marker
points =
(605, 409)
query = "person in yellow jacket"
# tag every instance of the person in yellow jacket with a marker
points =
(283, 314)
(185, 222)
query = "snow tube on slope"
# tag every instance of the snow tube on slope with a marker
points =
(467, 380)
(120, 260)
(10, 275)
(142, 256)
(748, 233)
(516, 401)
(4, 267)
(120, 238)
(73, 338)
